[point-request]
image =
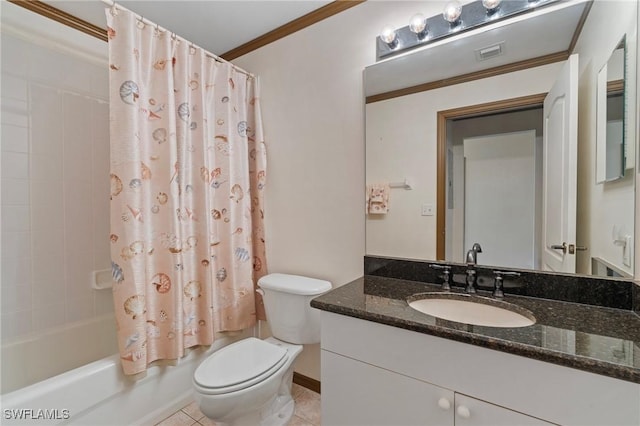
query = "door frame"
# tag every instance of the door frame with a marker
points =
(469, 111)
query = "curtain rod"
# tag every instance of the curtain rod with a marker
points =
(113, 5)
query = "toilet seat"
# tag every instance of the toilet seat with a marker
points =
(238, 366)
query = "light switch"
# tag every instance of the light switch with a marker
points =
(428, 210)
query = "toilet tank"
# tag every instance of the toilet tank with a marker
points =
(286, 302)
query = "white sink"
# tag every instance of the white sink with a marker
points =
(474, 310)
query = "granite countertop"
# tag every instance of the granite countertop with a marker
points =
(596, 339)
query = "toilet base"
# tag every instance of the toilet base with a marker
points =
(265, 404)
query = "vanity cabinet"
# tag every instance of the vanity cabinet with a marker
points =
(356, 393)
(374, 374)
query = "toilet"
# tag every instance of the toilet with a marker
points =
(249, 382)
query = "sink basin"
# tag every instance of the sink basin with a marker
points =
(469, 309)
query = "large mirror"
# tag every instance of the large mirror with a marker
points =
(475, 150)
(611, 156)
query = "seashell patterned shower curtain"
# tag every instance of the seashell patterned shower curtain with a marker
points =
(187, 176)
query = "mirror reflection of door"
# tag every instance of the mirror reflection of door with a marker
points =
(494, 179)
(515, 193)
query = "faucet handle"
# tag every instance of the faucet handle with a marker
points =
(498, 285)
(446, 272)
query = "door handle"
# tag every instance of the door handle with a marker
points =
(562, 247)
(572, 248)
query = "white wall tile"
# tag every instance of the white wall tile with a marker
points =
(46, 166)
(49, 316)
(79, 309)
(44, 284)
(16, 271)
(15, 245)
(14, 138)
(46, 220)
(47, 192)
(77, 138)
(15, 165)
(15, 324)
(15, 297)
(15, 192)
(13, 86)
(78, 272)
(103, 301)
(15, 218)
(48, 292)
(47, 243)
(49, 268)
(14, 112)
(46, 119)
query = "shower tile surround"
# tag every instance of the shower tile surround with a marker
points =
(597, 311)
(55, 220)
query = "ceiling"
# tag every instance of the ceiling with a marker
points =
(218, 26)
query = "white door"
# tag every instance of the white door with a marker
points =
(560, 142)
(500, 207)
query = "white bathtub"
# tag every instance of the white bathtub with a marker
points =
(39, 356)
(100, 394)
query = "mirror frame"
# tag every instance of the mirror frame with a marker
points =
(603, 88)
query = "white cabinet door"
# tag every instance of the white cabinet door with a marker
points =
(473, 412)
(355, 393)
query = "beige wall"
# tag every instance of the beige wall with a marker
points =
(595, 223)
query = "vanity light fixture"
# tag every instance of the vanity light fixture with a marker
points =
(418, 25)
(491, 5)
(389, 36)
(454, 19)
(452, 12)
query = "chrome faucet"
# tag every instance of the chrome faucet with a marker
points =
(472, 275)
(472, 255)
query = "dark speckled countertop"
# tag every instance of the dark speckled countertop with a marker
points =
(597, 339)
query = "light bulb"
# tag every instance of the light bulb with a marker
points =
(491, 5)
(418, 24)
(388, 35)
(452, 11)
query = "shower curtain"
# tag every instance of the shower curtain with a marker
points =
(187, 176)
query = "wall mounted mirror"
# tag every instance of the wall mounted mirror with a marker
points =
(611, 99)
(413, 105)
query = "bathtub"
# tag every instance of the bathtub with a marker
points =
(100, 394)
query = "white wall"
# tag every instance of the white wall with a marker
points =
(55, 205)
(405, 144)
(312, 104)
(603, 206)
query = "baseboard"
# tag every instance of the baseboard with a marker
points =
(306, 382)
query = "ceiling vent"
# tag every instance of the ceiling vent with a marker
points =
(490, 51)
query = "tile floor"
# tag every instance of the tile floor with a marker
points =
(307, 412)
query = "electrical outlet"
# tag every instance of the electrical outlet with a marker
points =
(428, 210)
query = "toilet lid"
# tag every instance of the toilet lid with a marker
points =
(239, 365)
